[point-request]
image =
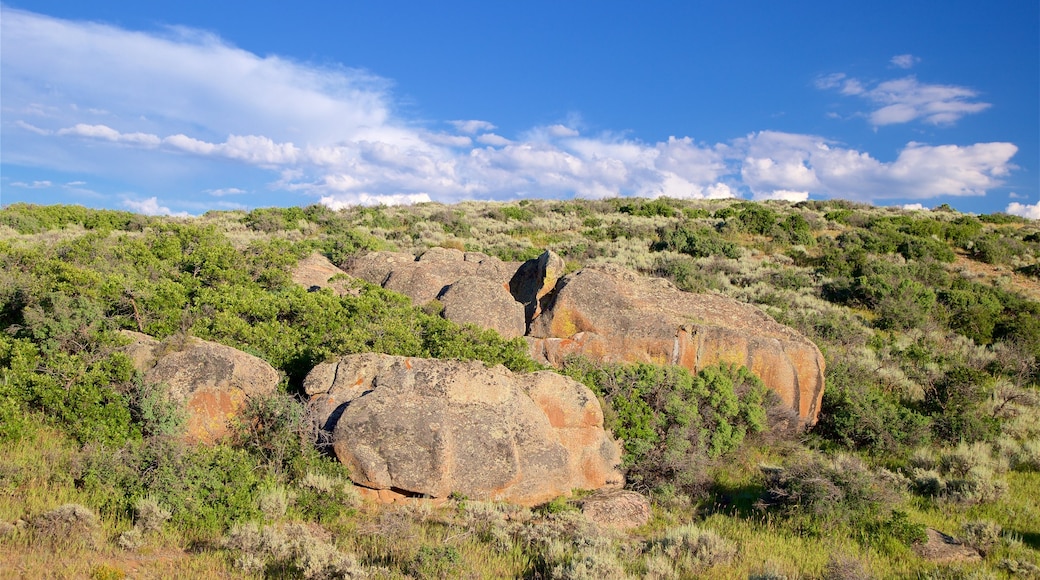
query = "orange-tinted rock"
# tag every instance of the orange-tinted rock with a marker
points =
(316, 271)
(432, 427)
(615, 315)
(213, 382)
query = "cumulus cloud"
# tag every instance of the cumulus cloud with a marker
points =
(109, 134)
(472, 126)
(190, 100)
(913, 207)
(904, 60)
(776, 163)
(340, 202)
(1027, 211)
(151, 206)
(493, 140)
(906, 99)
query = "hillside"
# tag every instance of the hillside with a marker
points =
(929, 324)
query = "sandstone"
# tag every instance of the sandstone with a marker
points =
(615, 315)
(534, 279)
(213, 382)
(425, 427)
(617, 508)
(424, 278)
(316, 271)
(486, 303)
(943, 549)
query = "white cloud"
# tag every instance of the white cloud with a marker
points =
(151, 206)
(778, 162)
(221, 192)
(914, 207)
(904, 60)
(340, 202)
(448, 140)
(906, 99)
(493, 140)
(472, 126)
(783, 195)
(109, 134)
(1027, 211)
(41, 184)
(562, 131)
(189, 105)
(32, 128)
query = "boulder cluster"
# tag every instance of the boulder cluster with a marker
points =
(605, 313)
(412, 427)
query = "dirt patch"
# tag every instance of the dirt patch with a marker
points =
(1004, 276)
(943, 549)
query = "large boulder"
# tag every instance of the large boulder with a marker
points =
(620, 509)
(483, 302)
(213, 382)
(424, 278)
(432, 427)
(316, 271)
(534, 279)
(616, 315)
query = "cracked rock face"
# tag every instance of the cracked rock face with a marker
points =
(607, 314)
(433, 427)
(615, 315)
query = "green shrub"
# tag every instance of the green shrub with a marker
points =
(984, 536)
(955, 403)
(292, 550)
(691, 548)
(756, 218)
(857, 414)
(154, 411)
(693, 240)
(66, 526)
(672, 421)
(819, 492)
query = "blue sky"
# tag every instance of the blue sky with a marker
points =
(186, 106)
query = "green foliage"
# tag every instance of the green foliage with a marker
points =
(205, 488)
(756, 218)
(154, 410)
(672, 421)
(795, 230)
(693, 240)
(956, 401)
(857, 414)
(898, 526)
(29, 218)
(517, 213)
(819, 494)
(78, 392)
(659, 207)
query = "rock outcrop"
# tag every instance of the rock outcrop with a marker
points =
(316, 271)
(483, 302)
(615, 315)
(617, 508)
(211, 380)
(605, 313)
(432, 427)
(424, 278)
(943, 549)
(534, 279)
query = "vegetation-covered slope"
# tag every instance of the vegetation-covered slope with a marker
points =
(929, 322)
